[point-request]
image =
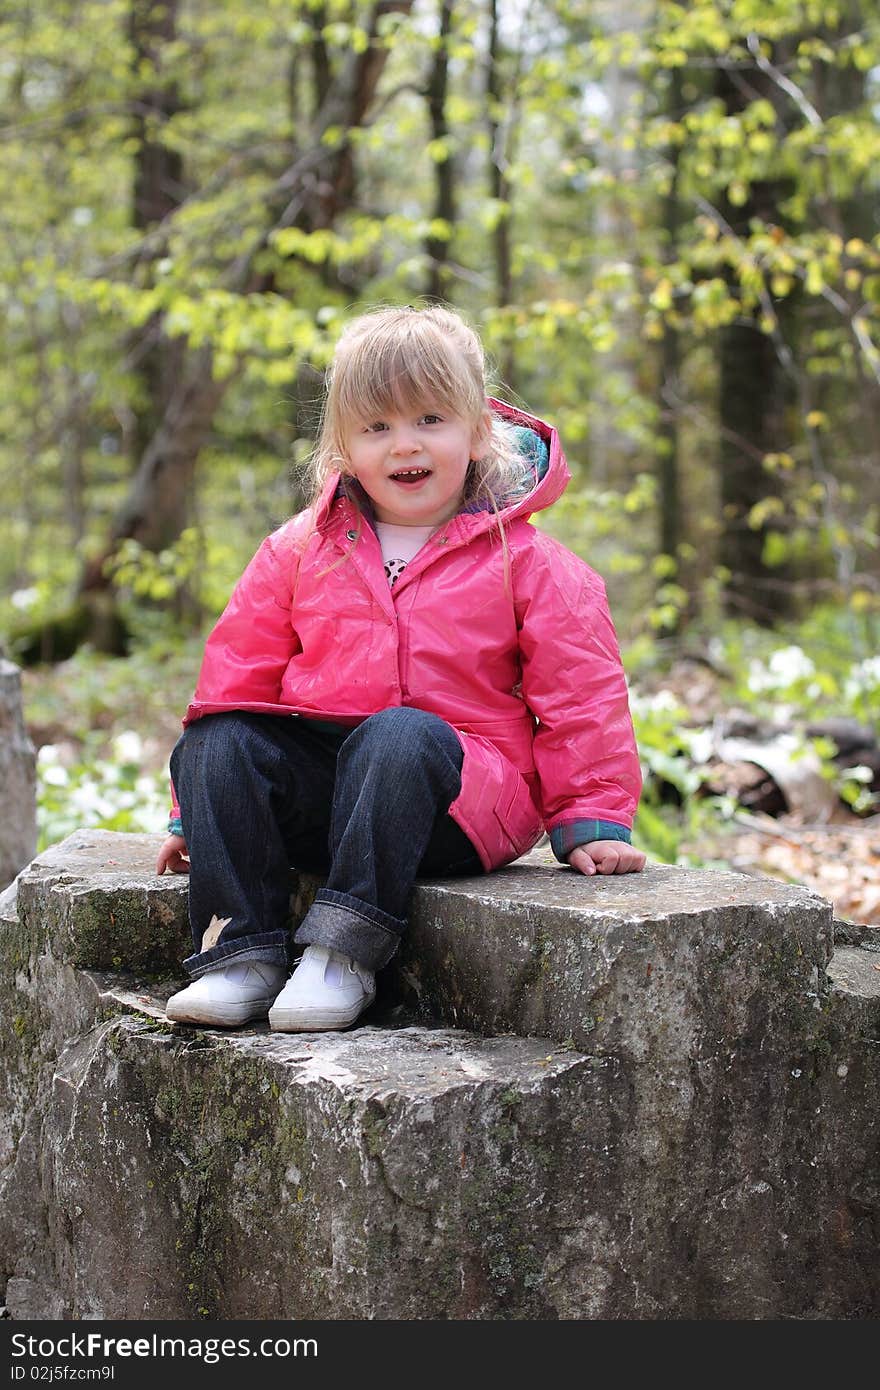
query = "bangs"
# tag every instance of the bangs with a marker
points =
(374, 378)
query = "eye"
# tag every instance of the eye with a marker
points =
(375, 427)
(432, 419)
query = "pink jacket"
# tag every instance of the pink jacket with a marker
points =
(527, 671)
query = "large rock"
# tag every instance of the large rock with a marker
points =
(651, 1097)
(18, 803)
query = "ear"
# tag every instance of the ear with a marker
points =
(481, 435)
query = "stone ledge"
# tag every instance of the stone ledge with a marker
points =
(855, 975)
(614, 962)
(346, 1176)
(675, 1113)
(96, 902)
(605, 965)
(531, 949)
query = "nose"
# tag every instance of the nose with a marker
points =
(404, 441)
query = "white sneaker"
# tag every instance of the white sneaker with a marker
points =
(326, 990)
(229, 995)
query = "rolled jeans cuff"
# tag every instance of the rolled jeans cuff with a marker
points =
(367, 934)
(272, 946)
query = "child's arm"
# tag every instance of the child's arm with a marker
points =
(573, 682)
(253, 640)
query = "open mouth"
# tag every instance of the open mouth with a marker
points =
(411, 475)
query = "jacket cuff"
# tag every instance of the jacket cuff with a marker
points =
(565, 838)
(175, 826)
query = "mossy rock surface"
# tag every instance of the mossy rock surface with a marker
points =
(656, 1097)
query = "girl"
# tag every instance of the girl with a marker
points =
(408, 680)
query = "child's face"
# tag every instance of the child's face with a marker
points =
(412, 464)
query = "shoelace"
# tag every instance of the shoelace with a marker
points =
(360, 972)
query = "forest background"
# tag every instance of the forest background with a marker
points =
(663, 220)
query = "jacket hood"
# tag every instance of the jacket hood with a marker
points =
(545, 473)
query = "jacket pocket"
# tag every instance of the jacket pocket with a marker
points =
(495, 806)
(515, 810)
(512, 738)
(508, 794)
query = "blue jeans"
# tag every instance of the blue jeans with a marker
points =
(365, 807)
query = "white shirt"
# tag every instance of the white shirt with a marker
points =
(399, 545)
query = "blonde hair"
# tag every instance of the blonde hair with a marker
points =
(392, 359)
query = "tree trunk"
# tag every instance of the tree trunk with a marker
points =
(670, 536)
(160, 494)
(752, 406)
(157, 189)
(613, 452)
(499, 187)
(344, 104)
(437, 247)
(838, 90)
(160, 488)
(755, 396)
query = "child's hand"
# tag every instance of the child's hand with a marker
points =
(173, 856)
(607, 857)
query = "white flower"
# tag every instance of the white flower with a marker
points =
(127, 747)
(863, 678)
(54, 775)
(24, 598)
(785, 666)
(646, 704)
(789, 664)
(88, 799)
(50, 770)
(700, 743)
(859, 773)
